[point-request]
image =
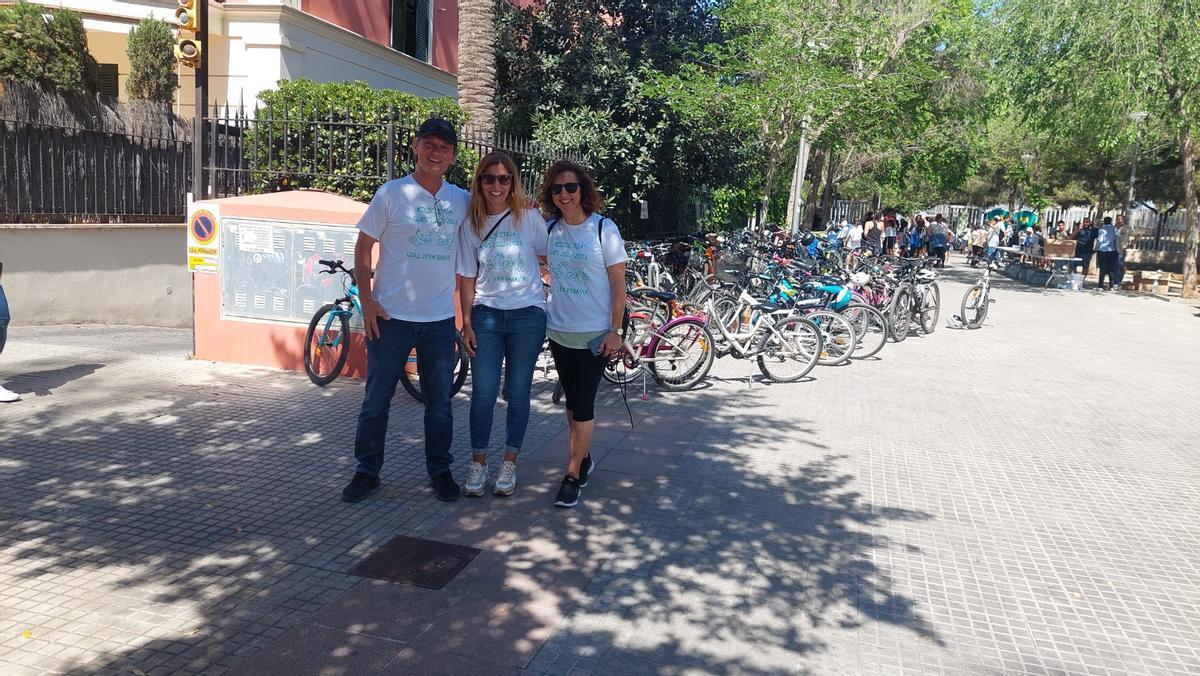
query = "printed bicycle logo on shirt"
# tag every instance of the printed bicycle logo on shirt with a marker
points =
(427, 238)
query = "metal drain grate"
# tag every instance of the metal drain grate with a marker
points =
(421, 563)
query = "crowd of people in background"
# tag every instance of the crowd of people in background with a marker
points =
(890, 233)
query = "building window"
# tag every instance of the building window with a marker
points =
(411, 27)
(107, 73)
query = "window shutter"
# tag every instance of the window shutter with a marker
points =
(107, 74)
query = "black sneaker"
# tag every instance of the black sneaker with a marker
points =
(446, 487)
(568, 494)
(585, 468)
(359, 487)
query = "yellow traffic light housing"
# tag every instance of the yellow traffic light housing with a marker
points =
(187, 19)
(188, 15)
(188, 49)
(188, 52)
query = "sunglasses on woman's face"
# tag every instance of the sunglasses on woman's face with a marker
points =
(557, 188)
(491, 179)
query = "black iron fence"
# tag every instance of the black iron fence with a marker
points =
(346, 152)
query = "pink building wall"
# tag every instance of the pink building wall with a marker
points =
(372, 19)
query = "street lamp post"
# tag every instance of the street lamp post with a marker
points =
(1138, 118)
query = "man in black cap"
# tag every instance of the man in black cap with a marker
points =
(410, 303)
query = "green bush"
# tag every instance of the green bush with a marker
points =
(51, 52)
(151, 52)
(333, 136)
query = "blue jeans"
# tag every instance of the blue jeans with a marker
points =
(387, 356)
(4, 319)
(1120, 274)
(514, 337)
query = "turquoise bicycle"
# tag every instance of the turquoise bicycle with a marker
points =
(327, 341)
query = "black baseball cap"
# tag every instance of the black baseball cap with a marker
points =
(435, 126)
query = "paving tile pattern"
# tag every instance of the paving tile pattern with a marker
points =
(1018, 499)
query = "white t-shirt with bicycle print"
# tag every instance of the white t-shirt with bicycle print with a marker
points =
(505, 267)
(418, 243)
(580, 299)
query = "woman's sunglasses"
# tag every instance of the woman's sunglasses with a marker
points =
(557, 188)
(490, 179)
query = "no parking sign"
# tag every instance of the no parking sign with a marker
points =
(203, 226)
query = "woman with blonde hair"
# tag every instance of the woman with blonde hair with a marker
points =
(503, 311)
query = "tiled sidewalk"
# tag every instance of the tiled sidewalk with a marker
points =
(1019, 499)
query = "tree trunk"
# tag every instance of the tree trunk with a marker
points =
(477, 63)
(814, 188)
(1192, 217)
(765, 208)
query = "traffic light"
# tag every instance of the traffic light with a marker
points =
(188, 15)
(188, 49)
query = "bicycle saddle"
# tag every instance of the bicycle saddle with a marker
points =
(665, 296)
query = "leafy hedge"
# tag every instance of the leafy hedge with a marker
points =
(51, 52)
(334, 136)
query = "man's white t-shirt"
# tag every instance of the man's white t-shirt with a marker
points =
(993, 239)
(510, 278)
(580, 299)
(854, 240)
(418, 238)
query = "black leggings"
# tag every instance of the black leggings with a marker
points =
(579, 371)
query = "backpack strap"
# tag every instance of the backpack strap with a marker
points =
(485, 237)
(599, 228)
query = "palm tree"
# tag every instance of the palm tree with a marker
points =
(477, 62)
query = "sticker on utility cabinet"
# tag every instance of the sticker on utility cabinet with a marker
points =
(203, 228)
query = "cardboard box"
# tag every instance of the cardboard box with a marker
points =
(1059, 248)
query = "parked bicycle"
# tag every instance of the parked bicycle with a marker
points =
(327, 341)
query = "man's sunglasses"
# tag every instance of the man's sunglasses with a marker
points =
(489, 179)
(557, 188)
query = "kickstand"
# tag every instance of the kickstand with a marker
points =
(645, 396)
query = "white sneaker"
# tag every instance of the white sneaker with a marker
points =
(506, 483)
(476, 478)
(8, 395)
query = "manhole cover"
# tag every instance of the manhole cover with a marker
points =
(422, 563)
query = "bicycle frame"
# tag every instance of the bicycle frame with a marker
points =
(756, 322)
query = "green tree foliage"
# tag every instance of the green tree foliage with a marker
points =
(49, 51)
(304, 128)
(573, 75)
(152, 62)
(871, 77)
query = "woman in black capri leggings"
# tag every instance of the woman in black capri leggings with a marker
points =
(587, 258)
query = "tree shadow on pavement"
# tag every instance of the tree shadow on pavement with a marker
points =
(205, 534)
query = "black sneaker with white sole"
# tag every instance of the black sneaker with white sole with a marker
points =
(568, 493)
(585, 468)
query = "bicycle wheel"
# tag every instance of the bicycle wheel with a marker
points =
(838, 339)
(326, 345)
(900, 313)
(931, 305)
(974, 306)
(870, 326)
(688, 350)
(462, 366)
(791, 350)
